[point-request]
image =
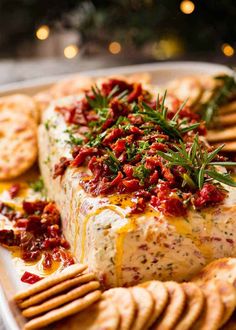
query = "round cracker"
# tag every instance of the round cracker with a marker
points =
(213, 310)
(160, 296)
(228, 296)
(101, 315)
(18, 144)
(222, 269)
(64, 311)
(50, 281)
(42, 296)
(174, 308)
(144, 307)
(61, 300)
(21, 104)
(193, 306)
(187, 88)
(125, 304)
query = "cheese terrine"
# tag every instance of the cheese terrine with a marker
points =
(141, 195)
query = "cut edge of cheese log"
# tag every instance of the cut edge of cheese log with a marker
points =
(122, 249)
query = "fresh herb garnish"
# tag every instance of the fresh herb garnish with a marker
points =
(73, 140)
(38, 185)
(141, 172)
(112, 162)
(219, 98)
(199, 164)
(172, 127)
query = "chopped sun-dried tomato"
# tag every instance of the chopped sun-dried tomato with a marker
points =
(30, 278)
(36, 231)
(14, 190)
(130, 140)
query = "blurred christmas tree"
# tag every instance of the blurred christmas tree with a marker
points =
(159, 28)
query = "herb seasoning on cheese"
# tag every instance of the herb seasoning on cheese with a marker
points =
(132, 143)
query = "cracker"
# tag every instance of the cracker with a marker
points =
(228, 296)
(212, 312)
(193, 306)
(18, 144)
(226, 120)
(222, 269)
(228, 108)
(226, 134)
(50, 281)
(228, 146)
(125, 304)
(64, 311)
(61, 300)
(72, 86)
(144, 307)
(175, 306)
(160, 296)
(38, 298)
(187, 88)
(20, 104)
(102, 315)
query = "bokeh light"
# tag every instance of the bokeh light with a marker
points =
(114, 47)
(71, 51)
(187, 7)
(43, 32)
(227, 50)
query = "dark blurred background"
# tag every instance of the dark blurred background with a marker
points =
(71, 35)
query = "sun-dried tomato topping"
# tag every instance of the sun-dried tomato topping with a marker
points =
(128, 140)
(30, 278)
(37, 232)
(14, 190)
(209, 195)
(61, 167)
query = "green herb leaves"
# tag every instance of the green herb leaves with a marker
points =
(172, 127)
(220, 97)
(198, 164)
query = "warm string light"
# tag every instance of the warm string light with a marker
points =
(187, 7)
(71, 51)
(43, 32)
(227, 49)
(114, 47)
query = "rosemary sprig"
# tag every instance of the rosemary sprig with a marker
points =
(219, 98)
(199, 165)
(174, 127)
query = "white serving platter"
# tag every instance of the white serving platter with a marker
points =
(160, 73)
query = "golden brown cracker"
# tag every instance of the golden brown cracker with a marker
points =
(103, 315)
(64, 311)
(228, 296)
(61, 300)
(42, 296)
(125, 304)
(174, 308)
(144, 307)
(222, 269)
(20, 104)
(50, 281)
(226, 120)
(160, 296)
(213, 309)
(18, 144)
(226, 134)
(193, 306)
(186, 88)
(228, 108)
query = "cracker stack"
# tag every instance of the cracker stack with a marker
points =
(206, 303)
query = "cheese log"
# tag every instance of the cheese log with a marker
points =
(124, 249)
